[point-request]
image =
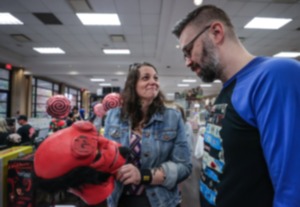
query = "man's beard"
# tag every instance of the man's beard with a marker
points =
(209, 63)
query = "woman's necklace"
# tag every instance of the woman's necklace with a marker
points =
(139, 128)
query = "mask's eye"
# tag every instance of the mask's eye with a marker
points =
(98, 156)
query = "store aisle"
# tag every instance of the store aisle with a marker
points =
(190, 187)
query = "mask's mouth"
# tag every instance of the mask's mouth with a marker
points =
(115, 158)
(124, 151)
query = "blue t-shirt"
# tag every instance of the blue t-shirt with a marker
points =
(252, 140)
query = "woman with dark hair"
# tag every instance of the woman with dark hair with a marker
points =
(160, 156)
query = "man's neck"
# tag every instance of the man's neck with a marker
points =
(235, 60)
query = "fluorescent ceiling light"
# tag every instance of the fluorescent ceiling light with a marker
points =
(116, 51)
(98, 19)
(287, 54)
(266, 23)
(183, 85)
(170, 94)
(205, 85)
(189, 80)
(105, 84)
(97, 79)
(7, 18)
(49, 50)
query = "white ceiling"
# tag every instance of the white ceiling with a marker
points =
(146, 25)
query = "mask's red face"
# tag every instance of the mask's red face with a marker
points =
(79, 146)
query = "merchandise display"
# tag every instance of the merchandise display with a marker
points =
(5, 156)
(19, 182)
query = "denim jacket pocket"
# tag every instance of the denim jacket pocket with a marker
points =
(114, 133)
(167, 136)
(165, 143)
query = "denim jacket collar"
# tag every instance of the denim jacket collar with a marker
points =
(156, 117)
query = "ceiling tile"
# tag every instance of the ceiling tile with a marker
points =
(150, 19)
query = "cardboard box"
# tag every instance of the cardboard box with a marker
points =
(5, 156)
(19, 182)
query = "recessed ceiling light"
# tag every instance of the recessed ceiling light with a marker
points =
(97, 79)
(266, 23)
(198, 2)
(26, 72)
(287, 54)
(98, 19)
(183, 85)
(189, 80)
(177, 46)
(205, 85)
(73, 73)
(116, 51)
(217, 81)
(49, 50)
(119, 73)
(7, 18)
(105, 84)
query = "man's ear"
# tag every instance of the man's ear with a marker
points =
(218, 32)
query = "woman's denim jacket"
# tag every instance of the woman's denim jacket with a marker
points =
(164, 144)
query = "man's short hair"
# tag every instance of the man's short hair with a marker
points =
(22, 117)
(201, 16)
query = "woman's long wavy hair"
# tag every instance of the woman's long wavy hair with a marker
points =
(131, 104)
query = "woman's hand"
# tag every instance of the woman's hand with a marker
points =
(129, 174)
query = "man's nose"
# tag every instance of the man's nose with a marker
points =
(188, 61)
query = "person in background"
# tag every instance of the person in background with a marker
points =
(8, 137)
(82, 114)
(56, 124)
(160, 155)
(75, 112)
(70, 119)
(26, 131)
(188, 127)
(4, 132)
(252, 136)
(11, 123)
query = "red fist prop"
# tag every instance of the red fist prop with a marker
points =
(78, 159)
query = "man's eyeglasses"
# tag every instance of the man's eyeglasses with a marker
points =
(189, 47)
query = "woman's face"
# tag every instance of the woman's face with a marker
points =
(147, 86)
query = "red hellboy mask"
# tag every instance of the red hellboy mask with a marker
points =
(75, 148)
